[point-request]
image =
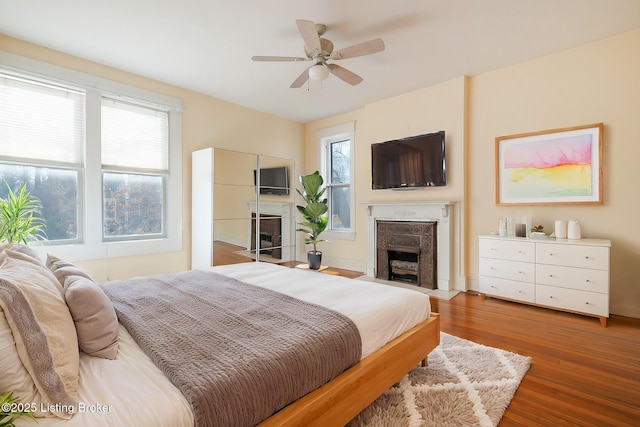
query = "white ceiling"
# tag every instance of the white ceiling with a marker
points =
(207, 45)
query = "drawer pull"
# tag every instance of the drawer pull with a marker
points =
(588, 281)
(492, 249)
(587, 303)
(520, 252)
(520, 272)
(551, 275)
(586, 257)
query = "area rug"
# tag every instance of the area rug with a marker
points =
(465, 384)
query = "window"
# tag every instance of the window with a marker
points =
(96, 153)
(135, 145)
(336, 145)
(42, 145)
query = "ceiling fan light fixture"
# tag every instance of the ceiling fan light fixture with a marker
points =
(318, 72)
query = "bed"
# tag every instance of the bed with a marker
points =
(395, 326)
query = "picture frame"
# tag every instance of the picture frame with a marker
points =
(551, 167)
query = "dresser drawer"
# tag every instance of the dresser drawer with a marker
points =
(507, 249)
(573, 300)
(594, 257)
(513, 270)
(511, 289)
(574, 278)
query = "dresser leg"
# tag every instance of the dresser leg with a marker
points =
(603, 322)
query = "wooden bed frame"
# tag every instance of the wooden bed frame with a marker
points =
(338, 401)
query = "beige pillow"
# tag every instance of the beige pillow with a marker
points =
(15, 376)
(44, 333)
(24, 249)
(94, 316)
(63, 269)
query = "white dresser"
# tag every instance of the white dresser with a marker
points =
(569, 275)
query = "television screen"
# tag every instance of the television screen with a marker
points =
(273, 180)
(417, 161)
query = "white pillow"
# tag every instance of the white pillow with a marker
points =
(44, 333)
(15, 376)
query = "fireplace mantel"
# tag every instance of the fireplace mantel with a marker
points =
(440, 211)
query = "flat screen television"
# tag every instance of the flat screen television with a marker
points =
(273, 180)
(412, 162)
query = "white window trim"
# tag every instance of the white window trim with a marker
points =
(324, 137)
(92, 246)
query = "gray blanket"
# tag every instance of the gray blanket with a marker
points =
(238, 352)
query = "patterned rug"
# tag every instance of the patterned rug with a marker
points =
(465, 384)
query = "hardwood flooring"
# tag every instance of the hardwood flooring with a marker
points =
(582, 374)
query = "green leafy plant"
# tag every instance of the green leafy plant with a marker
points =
(7, 415)
(315, 220)
(20, 219)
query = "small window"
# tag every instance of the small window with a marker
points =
(339, 186)
(337, 165)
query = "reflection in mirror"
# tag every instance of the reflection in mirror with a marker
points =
(237, 235)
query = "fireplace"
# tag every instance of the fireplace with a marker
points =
(270, 235)
(406, 252)
(420, 251)
(276, 227)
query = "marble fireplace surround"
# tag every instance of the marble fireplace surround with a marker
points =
(440, 212)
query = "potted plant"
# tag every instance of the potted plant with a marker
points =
(7, 414)
(314, 214)
(20, 219)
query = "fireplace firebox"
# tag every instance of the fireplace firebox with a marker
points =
(406, 251)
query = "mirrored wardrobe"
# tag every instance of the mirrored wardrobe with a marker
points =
(242, 208)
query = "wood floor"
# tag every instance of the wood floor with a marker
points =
(581, 375)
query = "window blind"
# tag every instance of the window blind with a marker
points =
(134, 136)
(40, 121)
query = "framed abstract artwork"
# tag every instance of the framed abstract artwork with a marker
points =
(558, 166)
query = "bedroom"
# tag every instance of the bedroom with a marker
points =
(590, 83)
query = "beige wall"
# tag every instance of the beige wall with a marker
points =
(597, 82)
(439, 107)
(207, 122)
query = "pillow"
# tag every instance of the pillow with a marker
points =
(63, 269)
(15, 376)
(94, 316)
(17, 250)
(43, 332)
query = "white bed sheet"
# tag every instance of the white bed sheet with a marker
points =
(136, 393)
(380, 312)
(128, 391)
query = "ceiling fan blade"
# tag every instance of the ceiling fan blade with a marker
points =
(360, 49)
(310, 35)
(279, 58)
(302, 78)
(344, 74)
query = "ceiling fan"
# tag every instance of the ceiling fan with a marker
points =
(320, 50)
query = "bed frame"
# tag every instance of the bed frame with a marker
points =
(338, 401)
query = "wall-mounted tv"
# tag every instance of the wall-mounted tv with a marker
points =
(416, 161)
(273, 180)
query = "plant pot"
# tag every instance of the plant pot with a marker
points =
(315, 259)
